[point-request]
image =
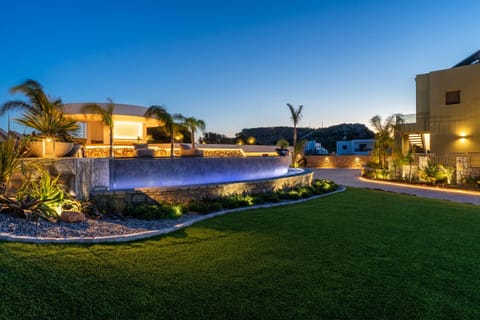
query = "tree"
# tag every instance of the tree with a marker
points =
(217, 138)
(296, 116)
(193, 125)
(106, 115)
(384, 136)
(169, 123)
(39, 112)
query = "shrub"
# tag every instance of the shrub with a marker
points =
(431, 173)
(267, 197)
(154, 211)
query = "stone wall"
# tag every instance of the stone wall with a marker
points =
(118, 200)
(328, 161)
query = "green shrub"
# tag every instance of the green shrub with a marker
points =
(49, 191)
(154, 211)
(432, 173)
(267, 197)
(208, 205)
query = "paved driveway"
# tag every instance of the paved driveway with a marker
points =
(351, 178)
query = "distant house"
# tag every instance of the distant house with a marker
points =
(355, 147)
(130, 125)
(314, 148)
(447, 110)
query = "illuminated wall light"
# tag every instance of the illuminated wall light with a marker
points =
(357, 159)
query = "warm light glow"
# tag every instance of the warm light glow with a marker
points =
(357, 159)
(251, 140)
(127, 130)
(178, 136)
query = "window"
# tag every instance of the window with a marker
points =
(82, 130)
(452, 97)
(344, 147)
(127, 130)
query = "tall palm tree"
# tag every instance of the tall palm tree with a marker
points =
(296, 116)
(169, 123)
(107, 117)
(193, 125)
(384, 136)
(39, 112)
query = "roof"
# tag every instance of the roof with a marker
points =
(472, 59)
(120, 109)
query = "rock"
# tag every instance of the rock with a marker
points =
(72, 216)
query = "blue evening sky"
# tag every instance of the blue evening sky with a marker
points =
(235, 64)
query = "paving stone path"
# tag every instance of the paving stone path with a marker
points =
(351, 178)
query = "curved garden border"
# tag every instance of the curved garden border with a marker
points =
(150, 233)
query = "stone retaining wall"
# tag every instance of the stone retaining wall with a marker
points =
(328, 161)
(118, 200)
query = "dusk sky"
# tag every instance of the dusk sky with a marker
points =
(235, 64)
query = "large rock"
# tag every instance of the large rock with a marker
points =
(72, 216)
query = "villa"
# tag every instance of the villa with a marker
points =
(447, 110)
(130, 124)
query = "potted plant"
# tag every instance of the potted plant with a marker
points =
(283, 147)
(44, 115)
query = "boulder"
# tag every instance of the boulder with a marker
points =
(72, 216)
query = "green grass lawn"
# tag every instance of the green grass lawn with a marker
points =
(360, 254)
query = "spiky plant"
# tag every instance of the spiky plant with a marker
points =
(48, 190)
(11, 150)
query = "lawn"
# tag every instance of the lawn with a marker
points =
(360, 254)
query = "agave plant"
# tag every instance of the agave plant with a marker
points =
(40, 113)
(47, 190)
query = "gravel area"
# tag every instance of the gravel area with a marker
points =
(90, 228)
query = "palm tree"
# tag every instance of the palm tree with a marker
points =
(296, 116)
(193, 124)
(39, 112)
(107, 117)
(171, 127)
(384, 136)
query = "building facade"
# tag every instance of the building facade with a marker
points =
(447, 110)
(355, 147)
(130, 124)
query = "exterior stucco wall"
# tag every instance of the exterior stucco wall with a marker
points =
(455, 127)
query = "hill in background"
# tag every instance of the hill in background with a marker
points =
(328, 137)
